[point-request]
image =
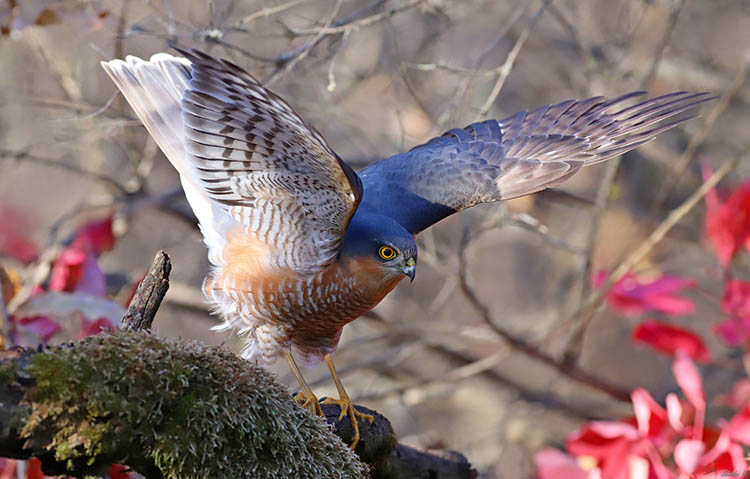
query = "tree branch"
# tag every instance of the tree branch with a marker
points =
(149, 295)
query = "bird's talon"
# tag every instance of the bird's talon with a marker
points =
(347, 408)
(309, 401)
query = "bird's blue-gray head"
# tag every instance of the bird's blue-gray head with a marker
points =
(371, 236)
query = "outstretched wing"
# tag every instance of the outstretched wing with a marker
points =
(522, 154)
(248, 162)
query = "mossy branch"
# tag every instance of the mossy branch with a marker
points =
(166, 408)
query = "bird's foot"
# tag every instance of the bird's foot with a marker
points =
(347, 408)
(308, 401)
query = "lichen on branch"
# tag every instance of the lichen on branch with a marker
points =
(170, 408)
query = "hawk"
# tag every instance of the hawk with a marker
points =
(300, 244)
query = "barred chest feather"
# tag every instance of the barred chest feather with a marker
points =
(282, 311)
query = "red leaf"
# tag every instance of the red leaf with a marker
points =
(77, 271)
(728, 222)
(118, 471)
(91, 328)
(736, 298)
(735, 302)
(34, 469)
(14, 235)
(96, 236)
(634, 297)
(669, 339)
(42, 327)
(725, 456)
(610, 443)
(554, 464)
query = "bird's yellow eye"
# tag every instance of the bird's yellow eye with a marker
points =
(386, 252)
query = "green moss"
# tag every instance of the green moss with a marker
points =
(190, 410)
(7, 372)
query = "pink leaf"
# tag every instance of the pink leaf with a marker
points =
(687, 455)
(736, 298)
(638, 467)
(7, 468)
(674, 412)
(689, 379)
(634, 297)
(554, 464)
(92, 279)
(735, 302)
(90, 328)
(739, 426)
(77, 271)
(740, 395)
(669, 339)
(42, 327)
(733, 331)
(649, 415)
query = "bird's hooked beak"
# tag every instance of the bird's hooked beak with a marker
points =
(410, 268)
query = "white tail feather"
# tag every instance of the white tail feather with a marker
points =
(154, 90)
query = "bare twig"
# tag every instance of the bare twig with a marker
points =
(569, 370)
(696, 141)
(305, 49)
(361, 23)
(149, 295)
(264, 12)
(24, 155)
(506, 67)
(663, 42)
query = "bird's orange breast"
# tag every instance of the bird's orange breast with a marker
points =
(310, 309)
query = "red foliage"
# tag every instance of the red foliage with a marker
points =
(14, 236)
(77, 268)
(34, 469)
(728, 220)
(735, 330)
(96, 236)
(656, 442)
(41, 328)
(91, 328)
(669, 339)
(634, 297)
(118, 471)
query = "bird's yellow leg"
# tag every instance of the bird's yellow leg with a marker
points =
(306, 398)
(345, 403)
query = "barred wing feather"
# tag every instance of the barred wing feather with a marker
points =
(246, 159)
(502, 159)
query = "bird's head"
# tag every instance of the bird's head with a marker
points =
(383, 243)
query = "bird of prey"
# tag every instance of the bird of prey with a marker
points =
(300, 244)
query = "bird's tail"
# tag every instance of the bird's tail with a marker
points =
(154, 90)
